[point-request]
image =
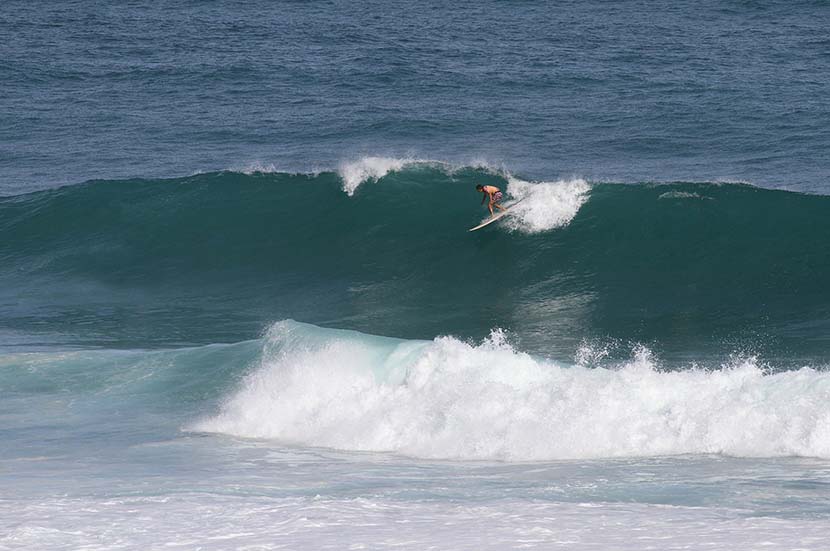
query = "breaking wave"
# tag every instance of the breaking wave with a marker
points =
(450, 399)
(695, 264)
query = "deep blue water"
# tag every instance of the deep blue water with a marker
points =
(623, 91)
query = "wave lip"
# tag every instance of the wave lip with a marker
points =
(355, 173)
(373, 168)
(454, 400)
(545, 205)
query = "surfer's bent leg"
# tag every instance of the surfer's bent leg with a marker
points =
(494, 201)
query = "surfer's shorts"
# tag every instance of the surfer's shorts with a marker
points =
(497, 197)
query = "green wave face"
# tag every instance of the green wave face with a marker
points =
(682, 267)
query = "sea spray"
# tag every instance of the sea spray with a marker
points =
(545, 205)
(455, 400)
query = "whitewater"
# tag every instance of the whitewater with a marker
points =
(694, 270)
(451, 400)
(324, 438)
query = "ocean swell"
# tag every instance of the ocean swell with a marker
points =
(689, 266)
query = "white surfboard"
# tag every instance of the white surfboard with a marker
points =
(495, 217)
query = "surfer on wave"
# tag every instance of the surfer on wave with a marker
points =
(494, 194)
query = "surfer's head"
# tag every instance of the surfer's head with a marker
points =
(479, 187)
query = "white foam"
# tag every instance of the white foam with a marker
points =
(367, 169)
(450, 399)
(545, 205)
(250, 520)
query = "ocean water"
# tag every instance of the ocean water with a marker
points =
(240, 307)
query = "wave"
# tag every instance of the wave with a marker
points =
(443, 398)
(694, 264)
(454, 400)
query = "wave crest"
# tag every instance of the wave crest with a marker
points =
(366, 169)
(450, 399)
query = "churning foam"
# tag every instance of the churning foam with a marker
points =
(545, 205)
(450, 399)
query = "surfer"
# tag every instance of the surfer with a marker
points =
(493, 193)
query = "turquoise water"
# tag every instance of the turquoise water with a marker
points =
(239, 304)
